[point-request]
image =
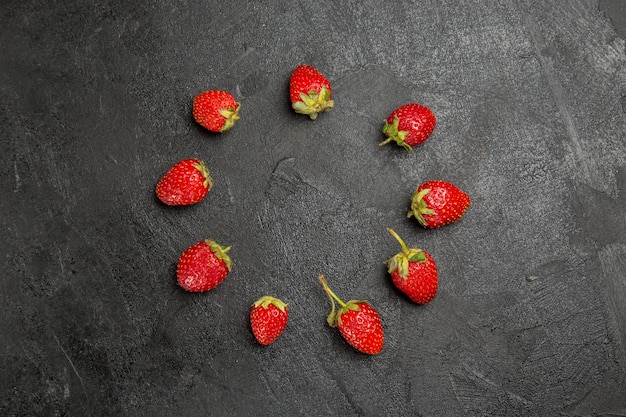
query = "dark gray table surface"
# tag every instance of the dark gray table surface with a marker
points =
(95, 105)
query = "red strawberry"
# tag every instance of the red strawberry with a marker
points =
(409, 125)
(268, 319)
(187, 182)
(357, 321)
(203, 266)
(310, 92)
(414, 272)
(216, 110)
(437, 203)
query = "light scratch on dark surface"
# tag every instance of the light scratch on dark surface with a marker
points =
(495, 385)
(270, 388)
(18, 181)
(82, 383)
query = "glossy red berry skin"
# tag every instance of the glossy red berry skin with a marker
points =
(203, 266)
(361, 327)
(359, 323)
(438, 203)
(185, 183)
(216, 110)
(414, 272)
(421, 282)
(409, 125)
(310, 92)
(268, 319)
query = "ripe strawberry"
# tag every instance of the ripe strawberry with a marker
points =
(202, 266)
(357, 321)
(409, 125)
(187, 182)
(216, 110)
(268, 319)
(414, 272)
(437, 203)
(310, 92)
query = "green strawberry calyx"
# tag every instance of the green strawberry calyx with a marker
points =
(400, 261)
(220, 252)
(208, 180)
(231, 116)
(419, 207)
(334, 318)
(393, 134)
(268, 300)
(314, 102)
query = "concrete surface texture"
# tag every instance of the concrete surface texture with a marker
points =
(530, 317)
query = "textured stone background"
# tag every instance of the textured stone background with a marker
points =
(530, 319)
